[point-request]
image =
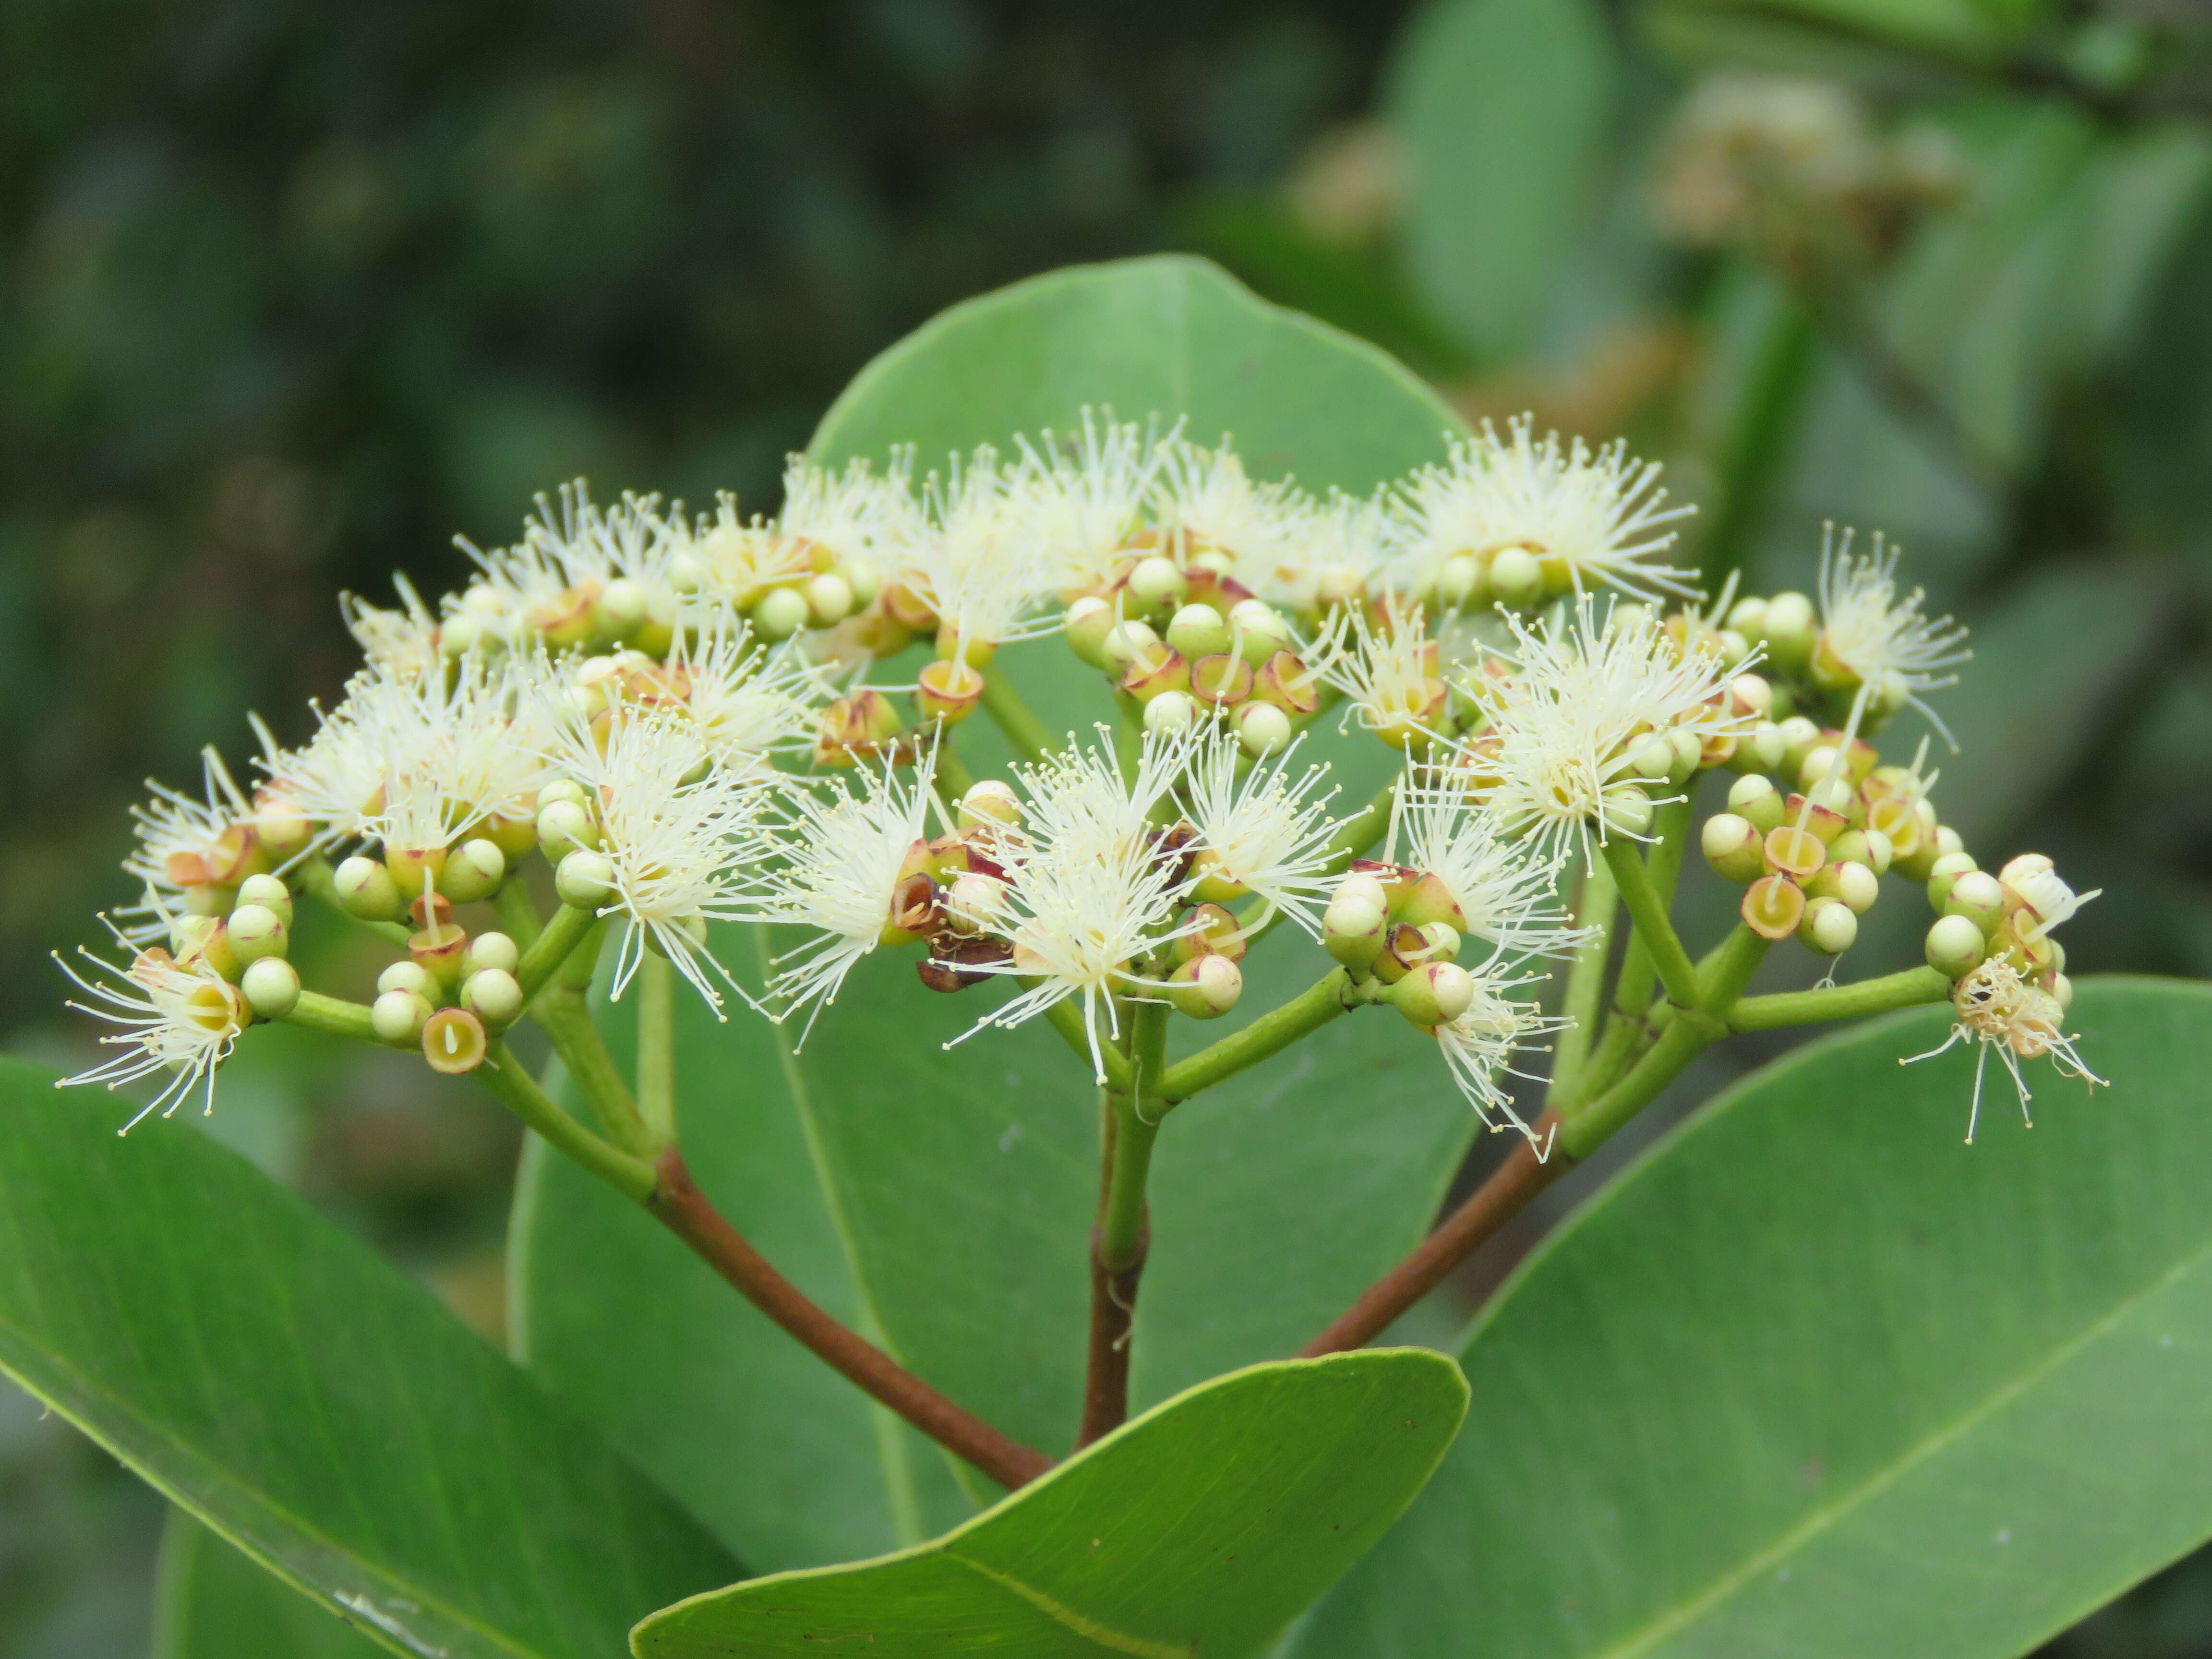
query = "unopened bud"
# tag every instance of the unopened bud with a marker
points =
(1829, 926)
(975, 904)
(585, 880)
(1515, 577)
(1853, 883)
(779, 613)
(1212, 929)
(1206, 986)
(565, 826)
(1122, 643)
(1751, 693)
(2025, 867)
(1689, 752)
(415, 870)
(1155, 585)
(271, 987)
(1772, 907)
(474, 872)
(1260, 631)
(281, 824)
(1732, 848)
(367, 890)
(1262, 728)
(271, 893)
(494, 995)
(1652, 756)
(1170, 712)
(257, 932)
(1087, 623)
(989, 802)
(1748, 618)
(1955, 947)
(1458, 581)
(1756, 799)
(1867, 846)
(453, 1040)
(1977, 896)
(493, 950)
(1800, 736)
(1790, 629)
(1198, 630)
(830, 600)
(1630, 814)
(1354, 928)
(1433, 994)
(408, 975)
(1762, 749)
(1942, 873)
(397, 1017)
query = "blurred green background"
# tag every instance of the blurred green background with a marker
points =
(290, 294)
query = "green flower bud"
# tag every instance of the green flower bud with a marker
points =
(1170, 711)
(1262, 728)
(1790, 631)
(989, 802)
(564, 789)
(585, 880)
(271, 893)
(460, 633)
(256, 931)
(408, 975)
(1749, 618)
(271, 987)
(620, 610)
(779, 613)
(2024, 867)
(1955, 947)
(1155, 585)
(397, 1017)
(1123, 641)
(1260, 631)
(1087, 623)
(565, 826)
(1459, 582)
(1977, 896)
(1689, 753)
(1630, 814)
(1867, 846)
(1829, 926)
(1763, 749)
(1833, 795)
(494, 996)
(1652, 756)
(1198, 630)
(474, 871)
(493, 950)
(1355, 926)
(281, 824)
(1946, 840)
(1755, 799)
(367, 890)
(1433, 994)
(1427, 899)
(830, 600)
(2061, 991)
(1942, 873)
(974, 902)
(1205, 987)
(454, 1040)
(1853, 884)
(1515, 577)
(1800, 736)
(1732, 848)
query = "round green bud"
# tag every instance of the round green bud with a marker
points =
(397, 1017)
(1155, 585)
(410, 975)
(1816, 764)
(989, 801)
(1206, 986)
(1435, 993)
(1834, 793)
(1087, 624)
(1749, 618)
(460, 633)
(1946, 840)
(865, 581)
(1763, 748)
(1356, 925)
(1849, 881)
(1755, 798)
(585, 880)
(830, 599)
(1262, 728)
(1790, 631)
(281, 825)
(1515, 577)
(1942, 873)
(1458, 581)
(1867, 846)
(1955, 947)
(565, 826)
(474, 871)
(257, 932)
(1198, 630)
(2061, 991)
(1800, 736)
(494, 995)
(271, 987)
(1689, 752)
(492, 951)
(1651, 757)
(620, 610)
(271, 893)
(1124, 642)
(1977, 896)
(1260, 631)
(779, 613)
(367, 890)
(564, 789)
(1731, 846)
(1170, 711)
(1629, 814)
(1829, 927)
(1753, 694)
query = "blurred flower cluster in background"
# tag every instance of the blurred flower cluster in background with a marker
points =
(289, 296)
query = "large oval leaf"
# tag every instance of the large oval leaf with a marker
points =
(943, 1202)
(1814, 1379)
(313, 1405)
(214, 1602)
(1203, 1526)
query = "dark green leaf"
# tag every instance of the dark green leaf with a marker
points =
(308, 1402)
(214, 1602)
(1202, 1528)
(1813, 1378)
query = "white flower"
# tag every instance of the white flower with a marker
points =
(1875, 641)
(973, 564)
(1261, 833)
(1588, 517)
(2001, 1013)
(2046, 893)
(1386, 667)
(1082, 500)
(842, 853)
(1335, 554)
(748, 701)
(403, 643)
(1507, 891)
(862, 517)
(1480, 1045)
(547, 585)
(1202, 500)
(684, 838)
(731, 561)
(180, 1017)
(1091, 889)
(185, 844)
(1555, 757)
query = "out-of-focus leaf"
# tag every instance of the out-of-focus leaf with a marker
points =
(215, 1603)
(317, 1407)
(1203, 1526)
(2161, 447)
(1815, 1379)
(1885, 41)
(1504, 109)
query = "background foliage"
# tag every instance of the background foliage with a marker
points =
(292, 293)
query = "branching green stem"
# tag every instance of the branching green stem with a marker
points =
(1909, 989)
(1596, 908)
(1663, 863)
(561, 935)
(321, 882)
(1029, 735)
(507, 1077)
(333, 1015)
(656, 1046)
(1648, 910)
(1332, 994)
(566, 1022)
(516, 913)
(1137, 1125)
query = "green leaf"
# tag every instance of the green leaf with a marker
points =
(1814, 1379)
(1505, 110)
(213, 1603)
(310, 1403)
(1203, 1526)
(943, 1202)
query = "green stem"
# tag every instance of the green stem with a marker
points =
(566, 1022)
(1632, 991)
(1597, 907)
(562, 934)
(316, 875)
(1687, 1035)
(1329, 996)
(656, 1046)
(1031, 741)
(1067, 1018)
(516, 913)
(948, 771)
(1121, 1221)
(1649, 912)
(332, 1014)
(1909, 989)
(1727, 968)
(505, 1076)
